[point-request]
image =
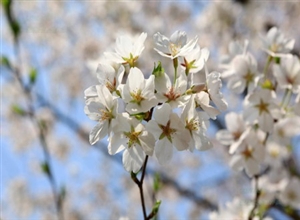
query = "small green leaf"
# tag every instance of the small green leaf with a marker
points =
(45, 168)
(32, 75)
(18, 110)
(156, 183)
(156, 207)
(5, 62)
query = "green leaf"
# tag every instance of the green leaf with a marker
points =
(5, 62)
(18, 110)
(45, 168)
(12, 22)
(15, 28)
(156, 207)
(156, 183)
(32, 75)
(6, 3)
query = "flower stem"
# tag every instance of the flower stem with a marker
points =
(175, 64)
(257, 195)
(286, 98)
(270, 58)
(140, 185)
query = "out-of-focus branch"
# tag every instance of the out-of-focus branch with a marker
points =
(73, 125)
(16, 71)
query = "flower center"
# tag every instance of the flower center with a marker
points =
(106, 114)
(111, 85)
(137, 97)
(131, 60)
(167, 131)
(174, 48)
(274, 47)
(192, 125)
(172, 95)
(274, 153)
(133, 137)
(262, 107)
(247, 153)
(249, 77)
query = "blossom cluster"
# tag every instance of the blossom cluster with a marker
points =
(260, 137)
(154, 115)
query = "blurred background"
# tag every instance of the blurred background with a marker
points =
(55, 47)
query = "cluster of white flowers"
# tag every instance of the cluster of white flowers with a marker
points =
(151, 116)
(260, 137)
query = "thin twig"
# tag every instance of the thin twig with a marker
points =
(256, 200)
(140, 185)
(42, 138)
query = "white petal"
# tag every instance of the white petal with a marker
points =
(136, 80)
(116, 143)
(224, 137)
(98, 132)
(152, 127)
(162, 113)
(252, 167)
(163, 151)
(133, 159)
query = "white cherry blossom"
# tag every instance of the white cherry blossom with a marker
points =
(127, 49)
(291, 193)
(169, 92)
(202, 100)
(235, 209)
(249, 155)
(108, 76)
(138, 92)
(130, 135)
(235, 128)
(169, 131)
(194, 61)
(242, 73)
(276, 44)
(174, 47)
(260, 107)
(214, 85)
(235, 48)
(195, 126)
(287, 73)
(103, 108)
(286, 128)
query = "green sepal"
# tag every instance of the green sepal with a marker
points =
(139, 116)
(158, 70)
(277, 60)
